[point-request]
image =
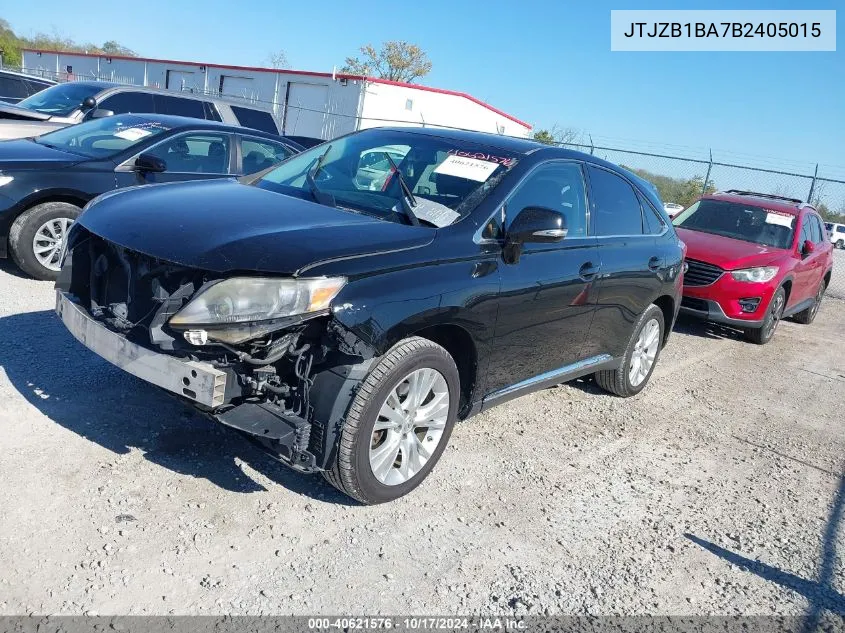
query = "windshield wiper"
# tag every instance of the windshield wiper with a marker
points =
(322, 197)
(406, 199)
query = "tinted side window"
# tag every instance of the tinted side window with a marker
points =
(34, 86)
(256, 119)
(124, 102)
(840, 229)
(812, 229)
(556, 186)
(614, 205)
(653, 223)
(819, 231)
(260, 154)
(198, 153)
(211, 112)
(179, 106)
(13, 88)
(806, 230)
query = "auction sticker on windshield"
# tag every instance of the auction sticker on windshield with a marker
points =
(469, 168)
(782, 219)
(132, 134)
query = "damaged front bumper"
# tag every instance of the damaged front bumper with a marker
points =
(194, 380)
(304, 442)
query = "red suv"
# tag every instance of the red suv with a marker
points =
(753, 259)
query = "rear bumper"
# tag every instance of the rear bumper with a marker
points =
(710, 310)
(196, 381)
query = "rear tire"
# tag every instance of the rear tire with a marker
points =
(357, 470)
(49, 222)
(763, 334)
(624, 381)
(840, 244)
(808, 316)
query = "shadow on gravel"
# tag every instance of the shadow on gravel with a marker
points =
(705, 329)
(87, 395)
(819, 593)
(9, 267)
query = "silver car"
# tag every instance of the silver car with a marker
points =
(77, 101)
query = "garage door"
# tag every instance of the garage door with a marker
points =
(305, 109)
(180, 80)
(237, 87)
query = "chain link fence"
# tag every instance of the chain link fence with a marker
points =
(678, 179)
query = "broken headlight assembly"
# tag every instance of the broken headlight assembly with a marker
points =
(242, 308)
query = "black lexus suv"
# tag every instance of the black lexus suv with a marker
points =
(345, 308)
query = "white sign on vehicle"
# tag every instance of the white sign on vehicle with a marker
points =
(464, 167)
(132, 134)
(780, 219)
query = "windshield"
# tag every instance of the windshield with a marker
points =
(59, 100)
(105, 137)
(447, 178)
(740, 222)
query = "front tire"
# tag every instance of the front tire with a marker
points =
(37, 235)
(764, 334)
(398, 424)
(840, 244)
(640, 359)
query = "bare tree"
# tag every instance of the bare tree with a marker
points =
(397, 61)
(559, 136)
(279, 59)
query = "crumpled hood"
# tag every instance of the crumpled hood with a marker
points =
(26, 154)
(222, 225)
(727, 252)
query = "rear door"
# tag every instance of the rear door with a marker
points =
(631, 260)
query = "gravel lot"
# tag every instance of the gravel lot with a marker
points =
(718, 490)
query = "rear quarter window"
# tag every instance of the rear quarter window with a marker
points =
(255, 119)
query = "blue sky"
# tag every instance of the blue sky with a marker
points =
(545, 62)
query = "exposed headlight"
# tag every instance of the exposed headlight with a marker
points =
(761, 274)
(5, 180)
(241, 308)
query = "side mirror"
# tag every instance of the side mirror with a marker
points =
(537, 224)
(89, 103)
(147, 163)
(99, 113)
(807, 247)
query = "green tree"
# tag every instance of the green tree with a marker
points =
(12, 44)
(683, 191)
(396, 61)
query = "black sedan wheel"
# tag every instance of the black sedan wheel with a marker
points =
(37, 238)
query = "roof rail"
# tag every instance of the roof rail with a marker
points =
(806, 205)
(770, 196)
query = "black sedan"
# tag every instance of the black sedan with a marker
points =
(45, 181)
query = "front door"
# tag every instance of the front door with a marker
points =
(808, 270)
(546, 302)
(191, 156)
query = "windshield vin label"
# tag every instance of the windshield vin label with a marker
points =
(465, 167)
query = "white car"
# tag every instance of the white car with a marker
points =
(836, 232)
(672, 208)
